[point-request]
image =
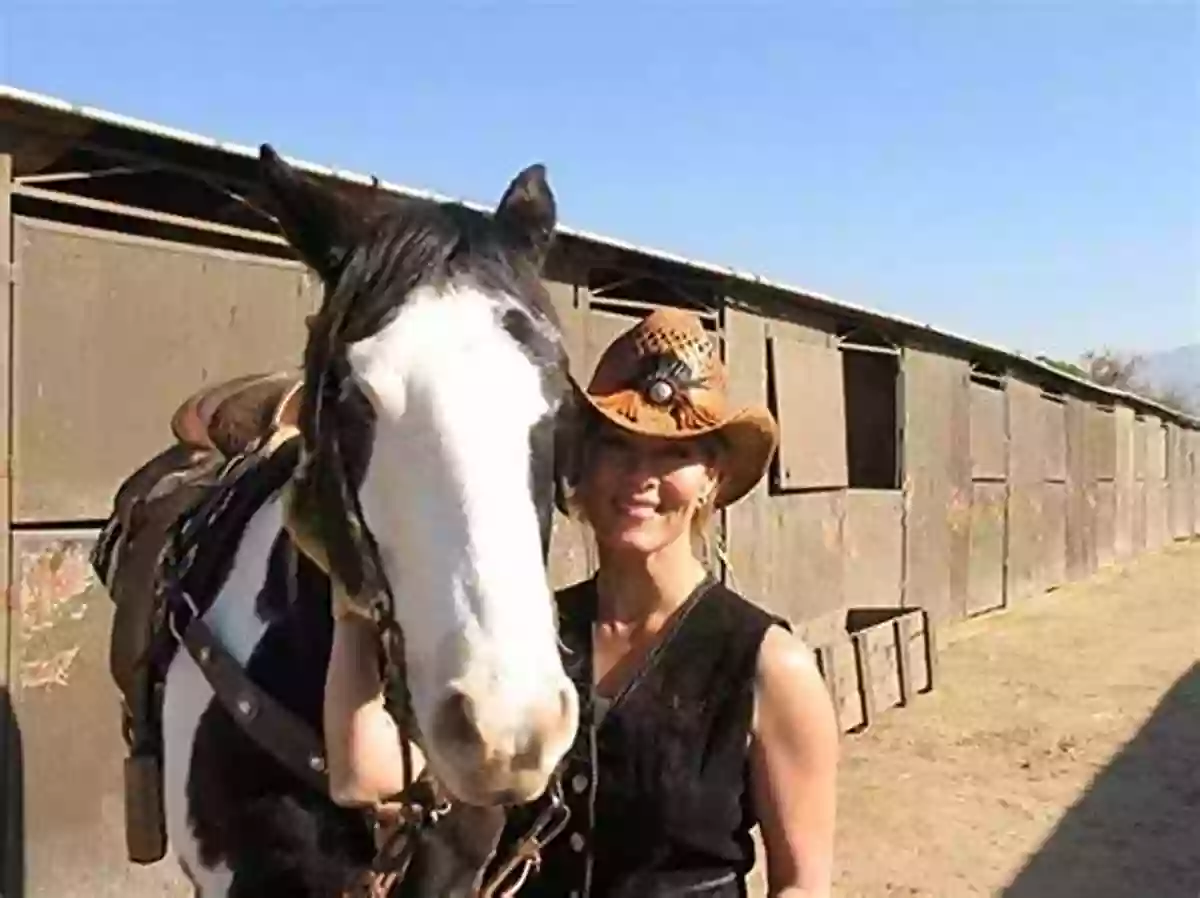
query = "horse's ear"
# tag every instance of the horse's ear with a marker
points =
(529, 211)
(319, 223)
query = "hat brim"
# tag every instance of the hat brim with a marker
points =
(750, 436)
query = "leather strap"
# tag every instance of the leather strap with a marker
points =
(275, 730)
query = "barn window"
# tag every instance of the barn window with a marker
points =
(987, 374)
(989, 425)
(838, 412)
(637, 293)
(1054, 436)
(1139, 446)
(871, 379)
(805, 391)
(1102, 442)
(1165, 454)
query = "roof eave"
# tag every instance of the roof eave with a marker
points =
(811, 298)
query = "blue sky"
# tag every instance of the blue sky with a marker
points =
(1025, 172)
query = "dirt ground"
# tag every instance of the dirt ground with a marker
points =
(1058, 757)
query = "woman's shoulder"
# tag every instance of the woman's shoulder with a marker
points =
(775, 649)
(749, 609)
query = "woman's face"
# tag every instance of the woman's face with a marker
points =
(640, 493)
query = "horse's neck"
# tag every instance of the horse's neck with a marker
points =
(233, 615)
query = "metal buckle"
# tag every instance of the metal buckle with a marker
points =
(171, 623)
(528, 854)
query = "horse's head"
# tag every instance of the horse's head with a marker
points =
(435, 380)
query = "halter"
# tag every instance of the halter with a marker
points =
(422, 803)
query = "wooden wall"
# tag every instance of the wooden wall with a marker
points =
(1027, 492)
(1055, 491)
(1178, 482)
(989, 496)
(1082, 492)
(1127, 485)
(938, 487)
(806, 542)
(787, 538)
(92, 313)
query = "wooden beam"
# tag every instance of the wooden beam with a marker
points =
(11, 787)
(69, 199)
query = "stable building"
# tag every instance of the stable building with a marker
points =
(922, 477)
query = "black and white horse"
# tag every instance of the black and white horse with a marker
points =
(434, 379)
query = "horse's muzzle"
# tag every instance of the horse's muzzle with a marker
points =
(492, 754)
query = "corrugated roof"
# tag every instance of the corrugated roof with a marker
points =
(27, 98)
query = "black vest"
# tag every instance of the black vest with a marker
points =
(657, 785)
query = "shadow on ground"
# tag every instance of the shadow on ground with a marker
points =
(12, 801)
(1133, 834)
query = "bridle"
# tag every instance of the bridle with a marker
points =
(422, 803)
(396, 842)
(399, 822)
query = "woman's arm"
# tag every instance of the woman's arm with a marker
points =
(793, 768)
(362, 742)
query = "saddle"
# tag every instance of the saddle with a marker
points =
(230, 416)
(239, 422)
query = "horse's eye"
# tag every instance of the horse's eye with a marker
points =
(518, 325)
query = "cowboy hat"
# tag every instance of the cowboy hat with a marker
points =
(664, 377)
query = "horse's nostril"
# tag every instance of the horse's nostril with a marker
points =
(550, 727)
(456, 722)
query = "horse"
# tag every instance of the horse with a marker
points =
(418, 479)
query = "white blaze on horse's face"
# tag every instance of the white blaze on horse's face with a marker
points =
(447, 496)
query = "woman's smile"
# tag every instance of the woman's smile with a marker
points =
(642, 509)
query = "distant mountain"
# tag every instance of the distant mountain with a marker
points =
(1176, 370)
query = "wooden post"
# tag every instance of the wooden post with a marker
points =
(11, 787)
(827, 664)
(931, 652)
(866, 676)
(902, 632)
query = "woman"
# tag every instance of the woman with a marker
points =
(701, 714)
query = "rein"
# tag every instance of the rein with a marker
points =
(422, 803)
(399, 822)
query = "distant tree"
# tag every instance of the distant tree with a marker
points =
(1110, 368)
(1123, 371)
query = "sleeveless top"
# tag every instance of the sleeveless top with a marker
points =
(656, 780)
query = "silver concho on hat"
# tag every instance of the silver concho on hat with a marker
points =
(660, 391)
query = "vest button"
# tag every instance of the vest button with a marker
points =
(576, 841)
(579, 782)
